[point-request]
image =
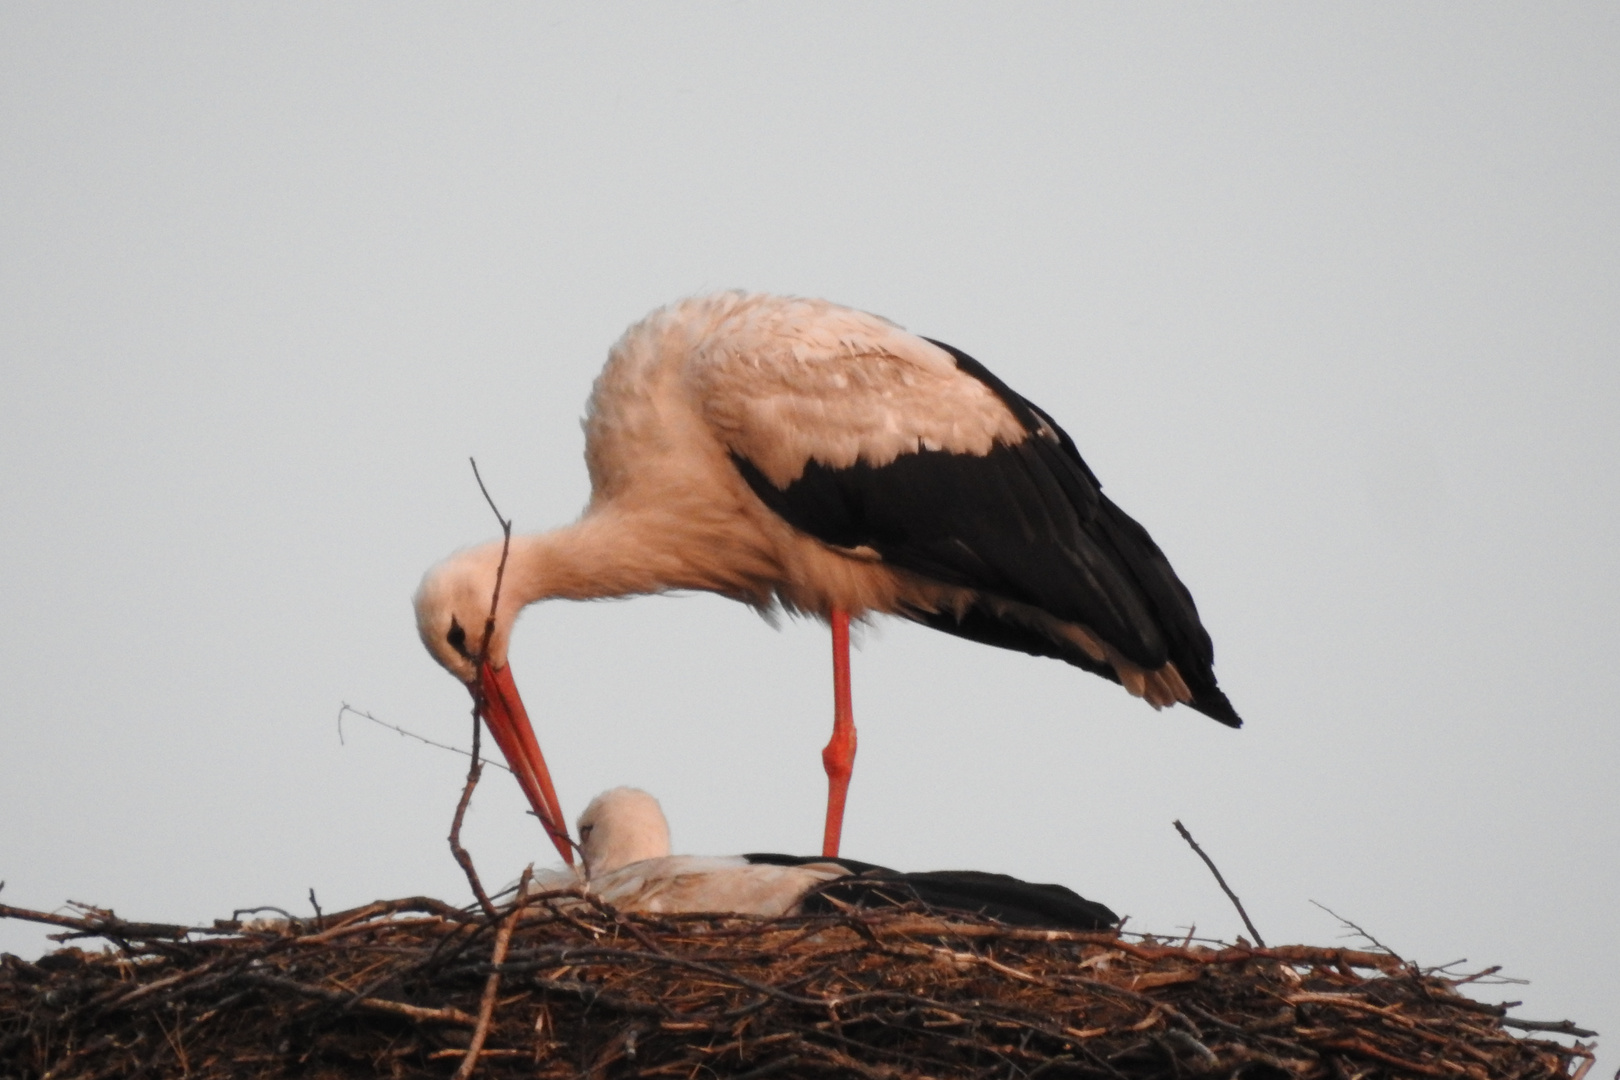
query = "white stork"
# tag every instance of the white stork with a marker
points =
(624, 843)
(794, 454)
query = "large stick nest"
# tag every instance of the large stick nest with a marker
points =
(562, 987)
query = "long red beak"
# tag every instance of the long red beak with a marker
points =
(507, 720)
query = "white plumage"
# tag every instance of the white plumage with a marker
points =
(624, 842)
(780, 382)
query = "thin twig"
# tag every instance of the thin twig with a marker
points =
(1358, 930)
(500, 569)
(1187, 836)
(347, 708)
(479, 708)
(1561, 1027)
(462, 857)
(1488, 977)
(551, 818)
(447, 1015)
(99, 924)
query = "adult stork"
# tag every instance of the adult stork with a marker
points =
(791, 453)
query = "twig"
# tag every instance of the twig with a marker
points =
(447, 1015)
(347, 708)
(1187, 836)
(492, 986)
(424, 904)
(1363, 1048)
(1358, 930)
(1485, 977)
(102, 924)
(1561, 1027)
(479, 708)
(551, 814)
(463, 859)
(1443, 970)
(317, 906)
(500, 569)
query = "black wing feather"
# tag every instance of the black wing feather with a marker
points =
(999, 896)
(1026, 523)
(1006, 899)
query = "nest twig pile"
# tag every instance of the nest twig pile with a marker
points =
(562, 987)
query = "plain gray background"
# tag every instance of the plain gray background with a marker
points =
(1326, 295)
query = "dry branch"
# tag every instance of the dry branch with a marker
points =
(476, 768)
(463, 859)
(1219, 880)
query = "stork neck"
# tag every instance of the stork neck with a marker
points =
(601, 555)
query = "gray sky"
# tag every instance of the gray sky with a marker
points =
(1327, 297)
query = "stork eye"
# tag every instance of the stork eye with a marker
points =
(457, 637)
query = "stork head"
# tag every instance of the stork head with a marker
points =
(453, 610)
(619, 827)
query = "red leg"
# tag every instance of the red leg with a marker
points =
(839, 756)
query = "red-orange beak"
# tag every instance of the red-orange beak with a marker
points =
(507, 720)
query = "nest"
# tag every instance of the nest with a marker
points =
(562, 987)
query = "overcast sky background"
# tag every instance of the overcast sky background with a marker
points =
(1328, 298)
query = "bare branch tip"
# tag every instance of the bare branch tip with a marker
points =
(506, 524)
(1221, 881)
